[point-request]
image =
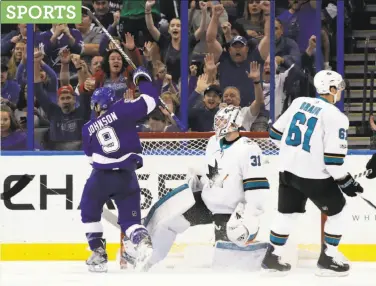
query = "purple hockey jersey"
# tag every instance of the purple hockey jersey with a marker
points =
(111, 141)
(52, 50)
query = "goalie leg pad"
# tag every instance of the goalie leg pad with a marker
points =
(162, 239)
(229, 256)
(164, 221)
(164, 236)
(172, 205)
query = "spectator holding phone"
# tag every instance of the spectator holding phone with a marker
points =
(12, 136)
(40, 117)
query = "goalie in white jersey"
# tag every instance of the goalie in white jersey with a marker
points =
(229, 192)
(313, 135)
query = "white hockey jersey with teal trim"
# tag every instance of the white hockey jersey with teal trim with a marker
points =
(313, 135)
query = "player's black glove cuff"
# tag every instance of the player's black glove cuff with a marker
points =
(371, 165)
(349, 186)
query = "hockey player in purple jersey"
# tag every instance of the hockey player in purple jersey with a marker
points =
(112, 144)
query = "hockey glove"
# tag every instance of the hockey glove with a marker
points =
(371, 165)
(349, 186)
(141, 73)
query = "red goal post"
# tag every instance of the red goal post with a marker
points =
(168, 155)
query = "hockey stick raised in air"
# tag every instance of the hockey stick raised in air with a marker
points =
(181, 126)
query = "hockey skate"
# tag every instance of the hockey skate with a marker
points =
(272, 263)
(97, 262)
(144, 250)
(332, 262)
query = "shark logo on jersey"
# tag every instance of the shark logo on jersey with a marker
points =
(213, 173)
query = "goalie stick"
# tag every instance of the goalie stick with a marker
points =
(180, 125)
(364, 174)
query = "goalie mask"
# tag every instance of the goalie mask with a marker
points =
(324, 80)
(227, 120)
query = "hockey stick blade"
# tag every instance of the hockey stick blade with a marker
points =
(368, 202)
(106, 214)
(18, 187)
(360, 175)
(111, 218)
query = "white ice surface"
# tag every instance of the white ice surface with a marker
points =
(172, 273)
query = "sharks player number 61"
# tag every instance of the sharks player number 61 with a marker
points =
(313, 135)
(112, 144)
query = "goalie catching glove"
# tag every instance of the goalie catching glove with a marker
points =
(243, 225)
(349, 186)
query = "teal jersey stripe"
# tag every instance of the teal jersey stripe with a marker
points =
(256, 185)
(332, 240)
(278, 240)
(275, 135)
(332, 160)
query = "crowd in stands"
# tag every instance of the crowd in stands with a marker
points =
(229, 63)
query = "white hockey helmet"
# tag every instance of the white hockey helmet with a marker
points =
(227, 120)
(326, 79)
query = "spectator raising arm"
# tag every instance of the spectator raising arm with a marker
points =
(131, 49)
(65, 58)
(264, 45)
(226, 28)
(255, 75)
(81, 67)
(211, 68)
(48, 106)
(214, 47)
(200, 32)
(154, 32)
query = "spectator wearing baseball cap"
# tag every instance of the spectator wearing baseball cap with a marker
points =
(66, 121)
(202, 112)
(236, 60)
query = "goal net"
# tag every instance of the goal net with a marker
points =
(167, 159)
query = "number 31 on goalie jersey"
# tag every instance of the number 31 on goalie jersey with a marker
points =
(294, 137)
